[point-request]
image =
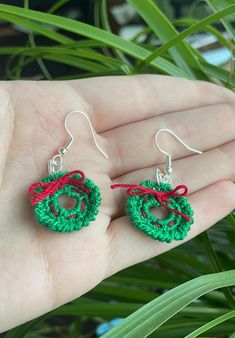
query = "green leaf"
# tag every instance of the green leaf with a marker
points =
(218, 5)
(192, 29)
(199, 311)
(231, 219)
(103, 310)
(34, 27)
(192, 262)
(160, 277)
(75, 62)
(211, 324)
(172, 332)
(83, 307)
(109, 72)
(84, 53)
(75, 58)
(210, 29)
(151, 316)
(163, 28)
(144, 282)
(57, 5)
(219, 74)
(216, 265)
(22, 330)
(119, 291)
(94, 33)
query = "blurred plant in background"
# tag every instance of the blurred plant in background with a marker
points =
(189, 290)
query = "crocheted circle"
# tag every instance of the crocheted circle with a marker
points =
(50, 214)
(174, 227)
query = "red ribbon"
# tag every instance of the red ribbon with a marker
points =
(51, 187)
(161, 196)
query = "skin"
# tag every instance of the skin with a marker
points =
(40, 270)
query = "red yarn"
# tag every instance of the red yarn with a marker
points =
(161, 196)
(50, 188)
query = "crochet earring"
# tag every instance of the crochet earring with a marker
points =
(46, 193)
(159, 194)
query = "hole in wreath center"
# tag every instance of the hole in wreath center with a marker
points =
(159, 212)
(67, 202)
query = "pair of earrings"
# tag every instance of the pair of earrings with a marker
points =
(141, 198)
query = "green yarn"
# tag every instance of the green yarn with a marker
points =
(50, 214)
(138, 209)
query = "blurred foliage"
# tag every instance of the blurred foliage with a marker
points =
(189, 290)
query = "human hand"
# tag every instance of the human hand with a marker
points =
(41, 270)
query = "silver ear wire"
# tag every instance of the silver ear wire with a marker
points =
(161, 178)
(56, 163)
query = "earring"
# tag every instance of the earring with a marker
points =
(74, 184)
(151, 194)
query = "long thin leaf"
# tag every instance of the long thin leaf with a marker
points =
(191, 261)
(109, 72)
(219, 74)
(121, 292)
(58, 55)
(22, 330)
(75, 62)
(57, 6)
(40, 51)
(218, 5)
(144, 282)
(216, 265)
(98, 310)
(94, 33)
(151, 316)
(34, 27)
(192, 29)
(155, 274)
(210, 29)
(165, 31)
(211, 324)
(179, 332)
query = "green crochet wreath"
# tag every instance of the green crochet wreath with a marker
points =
(50, 214)
(174, 227)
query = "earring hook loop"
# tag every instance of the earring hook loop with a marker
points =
(160, 176)
(69, 143)
(56, 163)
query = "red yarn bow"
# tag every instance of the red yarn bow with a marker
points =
(51, 187)
(161, 196)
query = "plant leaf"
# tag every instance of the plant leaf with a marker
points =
(151, 316)
(192, 29)
(34, 27)
(163, 28)
(211, 324)
(91, 32)
(22, 330)
(218, 5)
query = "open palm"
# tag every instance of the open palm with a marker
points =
(41, 270)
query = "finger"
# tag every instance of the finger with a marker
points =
(196, 172)
(131, 147)
(115, 101)
(129, 246)
(41, 124)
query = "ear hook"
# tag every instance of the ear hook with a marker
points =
(56, 163)
(69, 143)
(168, 156)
